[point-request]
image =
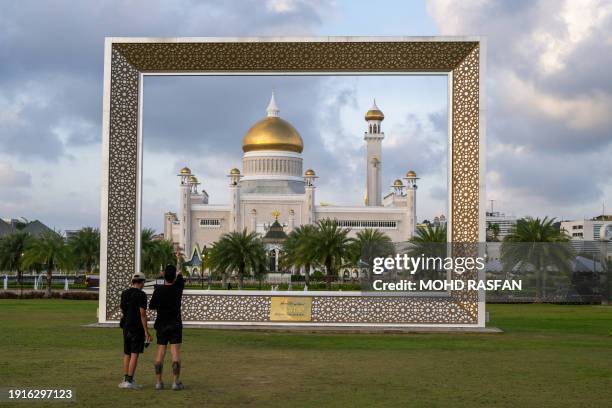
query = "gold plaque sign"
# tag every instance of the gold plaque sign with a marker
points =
(290, 309)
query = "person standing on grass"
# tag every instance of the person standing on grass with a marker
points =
(166, 300)
(135, 330)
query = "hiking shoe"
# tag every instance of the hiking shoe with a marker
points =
(177, 386)
(159, 386)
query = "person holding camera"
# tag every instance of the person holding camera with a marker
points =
(135, 330)
(166, 300)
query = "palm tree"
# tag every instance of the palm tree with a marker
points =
(430, 242)
(238, 251)
(155, 253)
(12, 248)
(296, 251)
(330, 246)
(494, 230)
(370, 244)
(167, 254)
(85, 248)
(49, 250)
(539, 244)
(427, 234)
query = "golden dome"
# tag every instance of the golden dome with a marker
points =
(193, 179)
(411, 174)
(374, 113)
(272, 133)
(185, 171)
(234, 171)
(309, 172)
(398, 183)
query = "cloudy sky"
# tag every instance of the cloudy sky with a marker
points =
(549, 101)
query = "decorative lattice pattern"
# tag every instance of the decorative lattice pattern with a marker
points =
(128, 60)
(465, 150)
(122, 174)
(330, 309)
(297, 56)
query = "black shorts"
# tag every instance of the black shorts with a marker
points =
(172, 335)
(133, 343)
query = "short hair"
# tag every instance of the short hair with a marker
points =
(170, 273)
(138, 280)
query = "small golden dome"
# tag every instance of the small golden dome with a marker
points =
(234, 171)
(185, 171)
(193, 179)
(374, 113)
(309, 172)
(411, 174)
(398, 183)
(272, 133)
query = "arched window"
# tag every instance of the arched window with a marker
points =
(272, 259)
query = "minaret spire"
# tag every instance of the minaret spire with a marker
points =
(272, 109)
(373, 137)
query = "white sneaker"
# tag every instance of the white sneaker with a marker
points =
(133, 386)
(159, 386)
(123, 384)
(177, 386)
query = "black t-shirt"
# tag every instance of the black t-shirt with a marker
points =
(166, 300)
(132, 300)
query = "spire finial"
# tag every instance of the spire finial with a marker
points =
(272, 109)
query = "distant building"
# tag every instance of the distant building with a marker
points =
(587, 235)
(11, 225)
(586, 230)
(440, 221)
(505, 222)
(5, 228)
(71, 233)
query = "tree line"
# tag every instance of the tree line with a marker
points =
(50, 251)
(325, 245)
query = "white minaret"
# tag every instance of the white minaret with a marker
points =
(253, 220)
(185, 210)
(373, 137)
(309, 196)
(235, 223)
(411, 188)
(291, 225)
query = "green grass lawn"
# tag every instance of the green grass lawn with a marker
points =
(548, 356)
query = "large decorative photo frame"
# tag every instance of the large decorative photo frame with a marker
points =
(129, 60)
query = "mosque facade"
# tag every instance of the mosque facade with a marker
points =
(273, 186)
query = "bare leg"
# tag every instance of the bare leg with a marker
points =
(159, 362)
(133, 364)
(175, 350)
(126, 364)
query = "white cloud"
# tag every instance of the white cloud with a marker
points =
(580, 112)
(549, 99)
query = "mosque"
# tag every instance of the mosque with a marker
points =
(273, 195)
